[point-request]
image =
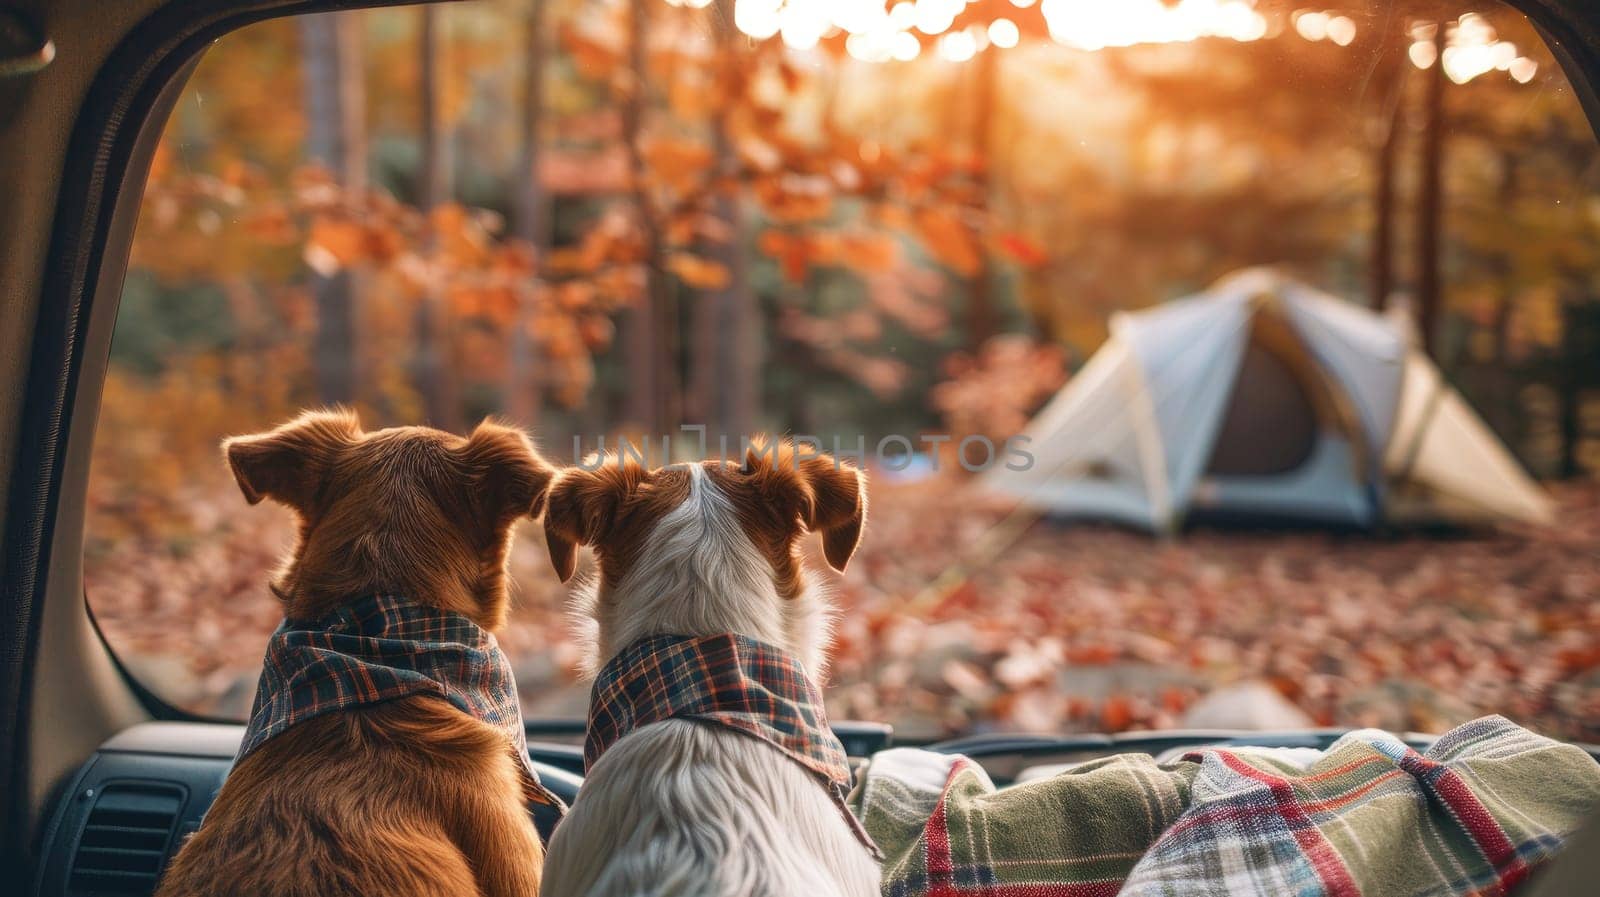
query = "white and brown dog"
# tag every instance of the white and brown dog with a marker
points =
(711, 769)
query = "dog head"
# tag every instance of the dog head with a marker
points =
(707, 548)
(410, 510)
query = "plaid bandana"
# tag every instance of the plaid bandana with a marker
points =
(381, 648)
(741, 684)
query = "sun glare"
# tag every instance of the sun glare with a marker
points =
(900, 31)
(1091, 25)
(879, 33)
(1471, 48)
(1004, 34)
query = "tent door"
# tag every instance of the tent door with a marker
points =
(1289, 443)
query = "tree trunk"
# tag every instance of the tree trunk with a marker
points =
(702, 399)
(1392, 71)
(1383, 226)
(1501, 411)
(433, 176)
(1430, 202)
(246, 368)
(532, 204)
(982, 319)
(1506, 196)
(651, 342)
(1569, 392)
(336, 138)
(436, 365)
(798, 360)
(740, 350)
(524, 389)
(726, 359)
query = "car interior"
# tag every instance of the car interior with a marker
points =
(104, 778)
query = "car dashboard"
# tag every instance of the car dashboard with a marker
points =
(130, 805)
(145, 790)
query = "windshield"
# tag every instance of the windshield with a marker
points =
(1214, 363)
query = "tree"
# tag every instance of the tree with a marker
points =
(726, 372)
(435, 349)
(336, 137)
(524, 389)
(651, 326)
(981, 323)
(1389, 78)
(1430, 215)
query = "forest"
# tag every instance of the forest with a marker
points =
(604, 218)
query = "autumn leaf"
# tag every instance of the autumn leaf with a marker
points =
(272, 225)
(884, 377)
(242, 176)
(495, 303)
(690, 97)
(792, 79)
(621, 284)
(794, 198)
(677, 164)
(869, 253)
(593, 56)
(160, 163)
(792, 253)
(597, 332)
(890, 216)
(824, 247)
(759, 154)
(574, 295)
(385, 243)
(516, 258)
(772, 242)
(696, 272)
(1024, 251)
(948, 239)
(1115, 714)
(570, 260)
(335, 243)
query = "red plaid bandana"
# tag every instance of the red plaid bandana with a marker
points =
(381, 648)
(741, 684)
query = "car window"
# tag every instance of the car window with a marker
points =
(1212, 362)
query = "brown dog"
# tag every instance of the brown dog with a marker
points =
(407, 796)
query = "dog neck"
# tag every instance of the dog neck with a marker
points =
(700, 575)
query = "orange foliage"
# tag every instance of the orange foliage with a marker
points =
(949, 240)
(995, 393)
(1026, 252)
(697, 272)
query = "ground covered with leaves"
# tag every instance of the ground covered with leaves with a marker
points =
(955, 617)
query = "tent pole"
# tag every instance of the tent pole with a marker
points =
(1151, 456)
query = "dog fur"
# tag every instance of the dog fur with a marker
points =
(410, 797)
(681, 808)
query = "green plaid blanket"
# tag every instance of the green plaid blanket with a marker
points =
(1476, 814)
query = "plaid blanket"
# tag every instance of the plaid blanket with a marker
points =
(1475, 814)
(381, 648)
(750, 687)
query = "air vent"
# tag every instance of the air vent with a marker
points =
(124, 841)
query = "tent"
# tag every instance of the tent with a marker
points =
(1265, 397)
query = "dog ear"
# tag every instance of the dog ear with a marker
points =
(829, 496)
(291, 464)
(581, 505)
(838, 506)
(508, 476)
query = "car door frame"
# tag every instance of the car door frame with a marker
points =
(114, 131)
